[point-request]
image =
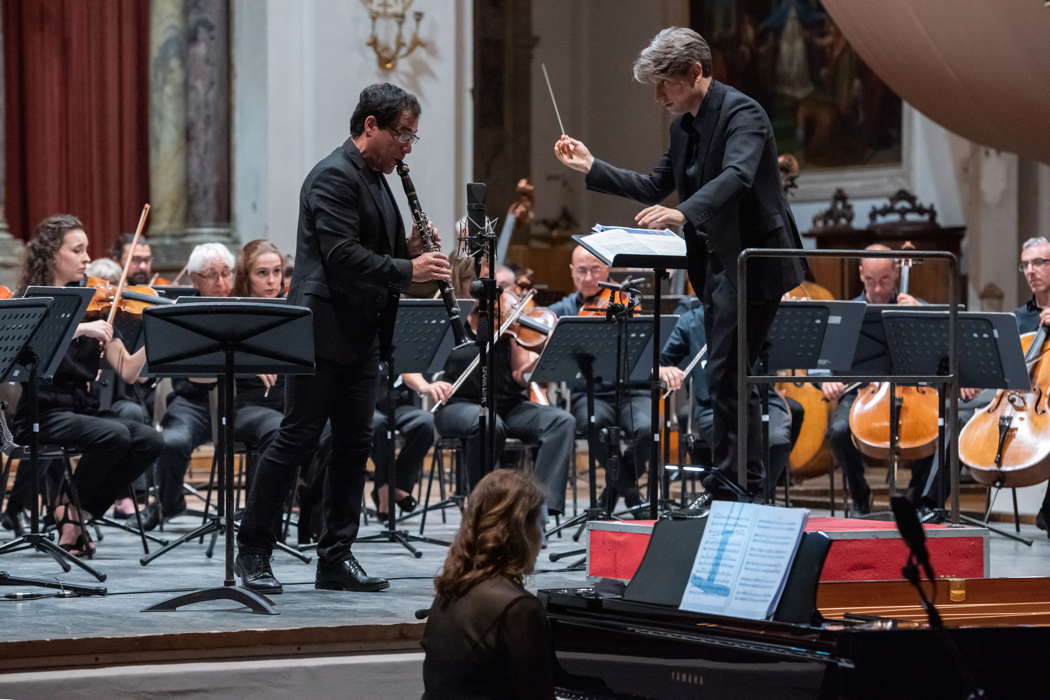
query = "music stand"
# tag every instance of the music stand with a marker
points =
(989, 358)
(222, 338)
(36, 333)
(573, 350)
(659, 251)
(420, 327)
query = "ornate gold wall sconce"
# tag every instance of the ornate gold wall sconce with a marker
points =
(387, 54)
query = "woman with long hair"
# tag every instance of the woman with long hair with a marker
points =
(486, 636)
(113, 450)
(259, 272)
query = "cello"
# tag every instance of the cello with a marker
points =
(917, 413)
(1007, 443)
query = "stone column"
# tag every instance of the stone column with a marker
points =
(10, 249)
(189, 128)
(208, 120)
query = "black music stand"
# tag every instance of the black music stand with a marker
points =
(420, 327)
(659, 251)
(989, 358)
(213, 524)
(573, 351)
(225, 339)
(37, 332)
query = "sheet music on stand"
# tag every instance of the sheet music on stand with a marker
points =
(635, 247)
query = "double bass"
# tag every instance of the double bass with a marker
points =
(1007, 443)
(917, 413)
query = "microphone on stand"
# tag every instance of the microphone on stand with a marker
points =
(476, 217)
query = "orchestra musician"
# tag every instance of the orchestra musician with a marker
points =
(352, 261)
(880, 277)
(635, 408)
(187, 421)
(686, 340)
(259, 400)
(722, 162)
(113, 450)
(416, 427)
(551, 428)
(1035, 266)
(141, 269)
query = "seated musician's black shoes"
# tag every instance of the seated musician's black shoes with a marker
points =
(347, 575)
(1040, 521)
(256, 574)
(16, 521)
(407, 504)
(380, 515)
(150, 515)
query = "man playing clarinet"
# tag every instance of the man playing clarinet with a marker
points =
(722, 162)
(351, 263)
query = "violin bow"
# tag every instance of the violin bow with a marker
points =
(124, 275)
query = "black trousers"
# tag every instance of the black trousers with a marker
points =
(346, 395)
(634, 418)
(552, 428)
(417, 430)
(135, 411)
(113, 452)
(720, 322)
(186, 426)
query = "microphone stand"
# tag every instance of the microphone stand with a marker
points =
(482, 239)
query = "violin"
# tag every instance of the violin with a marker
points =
(917, 416)
(133, 301)
(599, 304)
(1007, 443)
(535, 323)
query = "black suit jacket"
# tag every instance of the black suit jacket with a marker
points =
(735, 200)
(349, 267)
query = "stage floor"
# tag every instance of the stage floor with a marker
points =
(111, 629)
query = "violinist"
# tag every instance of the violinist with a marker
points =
(187, 421)
(880, 277)
(1035, 266)
(587, 271)
(113, 450)
(553, 429)
(259, 401)
(141, 269)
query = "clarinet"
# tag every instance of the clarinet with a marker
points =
(422, 222)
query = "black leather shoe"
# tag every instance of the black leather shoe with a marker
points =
(347, 575)
(256, 574)
(18, 523)
(150, 514)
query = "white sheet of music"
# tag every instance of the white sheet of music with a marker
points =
(608, 241)
(743, 560)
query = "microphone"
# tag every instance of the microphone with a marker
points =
(475, 215)
(911, 530)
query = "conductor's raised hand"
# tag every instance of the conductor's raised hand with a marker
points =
(658, 216)
(431, 266)
(573, 153)
(415, 241)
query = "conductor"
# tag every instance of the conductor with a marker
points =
(722, 162)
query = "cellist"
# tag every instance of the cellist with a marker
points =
(1035, 266)
(880, 277)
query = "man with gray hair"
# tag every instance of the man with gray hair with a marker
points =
(187, 421)
(722, 163)
(1035, 266)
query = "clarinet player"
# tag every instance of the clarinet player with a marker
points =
(352, 261)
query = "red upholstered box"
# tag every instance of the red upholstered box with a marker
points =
(861, 550)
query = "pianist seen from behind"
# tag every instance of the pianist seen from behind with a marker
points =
(486, 636)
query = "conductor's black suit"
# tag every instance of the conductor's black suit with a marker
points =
(723, 165)
(350, 266)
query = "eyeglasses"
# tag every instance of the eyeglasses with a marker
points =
(212, 276)
(404, 136)
(1037, 263)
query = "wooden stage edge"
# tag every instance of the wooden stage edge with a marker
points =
(88, 652)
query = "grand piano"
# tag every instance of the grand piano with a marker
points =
(849, 640)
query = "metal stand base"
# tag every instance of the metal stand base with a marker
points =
(214, 527)
(258, 604)
(42, 544)
(80, 589)
(403, 538)
(941, 515)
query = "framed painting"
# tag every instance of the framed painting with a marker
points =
(845, 126)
